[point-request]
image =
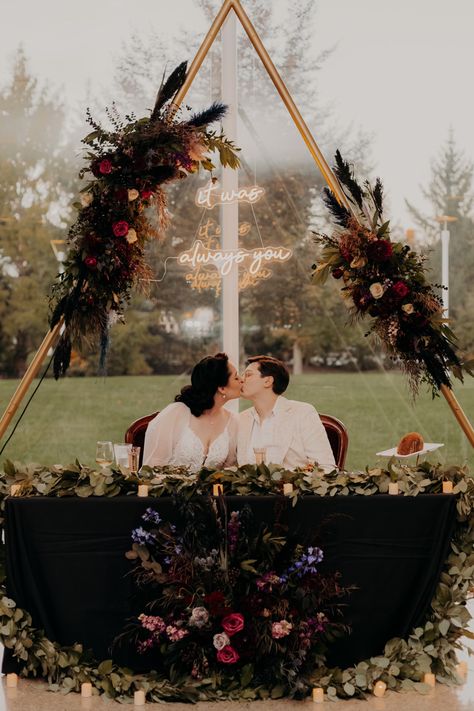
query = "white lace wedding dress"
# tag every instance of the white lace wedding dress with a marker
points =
(190, 452)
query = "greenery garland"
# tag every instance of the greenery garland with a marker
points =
(123, 207)
(430, 647)
(387, 281)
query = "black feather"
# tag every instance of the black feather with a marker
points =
(214, 113)
(339, 212)
(345, 175)
(169, 88)
(62, 356)
(378, 196)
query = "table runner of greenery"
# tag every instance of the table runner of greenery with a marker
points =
(430, 647)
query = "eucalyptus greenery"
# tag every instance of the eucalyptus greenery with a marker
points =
(430, 647)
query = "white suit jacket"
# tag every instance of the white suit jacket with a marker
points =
(299, 435)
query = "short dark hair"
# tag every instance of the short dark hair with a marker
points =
(268, 365)
(207, 376)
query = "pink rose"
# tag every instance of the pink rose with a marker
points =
(105, 167)
(120, 228)
(90, 262)
(233, 623)
(227, 655)
(281, 629)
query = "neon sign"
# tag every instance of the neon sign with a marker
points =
(224, 259)
(212, 194)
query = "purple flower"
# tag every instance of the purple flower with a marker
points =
(307, 563)
(152, 516)
(233, 531)
(142, 537)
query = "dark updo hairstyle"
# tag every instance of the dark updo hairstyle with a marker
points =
(209, 374)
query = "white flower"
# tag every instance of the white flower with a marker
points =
(376, 290)
(220, 641)
(86, 199)
(133, 194)
(408, 308)
(131, 236)
(199, 616)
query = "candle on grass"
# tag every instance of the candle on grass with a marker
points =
(287, 489)
(142, 490)
(318, 695)
(393, 488)
(86, 689)
(379, 688)
(217, 489)
(139, 698)
(12, 681)
(429, 679)
(447, 487)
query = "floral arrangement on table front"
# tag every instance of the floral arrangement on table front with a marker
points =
(403, 663)
(123, 206)
(387, 281)
(231, 600)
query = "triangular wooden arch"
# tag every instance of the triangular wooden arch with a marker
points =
(329, 176)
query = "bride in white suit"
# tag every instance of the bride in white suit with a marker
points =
(290, 431)
(196, 430)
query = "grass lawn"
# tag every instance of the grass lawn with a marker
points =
(66, 418)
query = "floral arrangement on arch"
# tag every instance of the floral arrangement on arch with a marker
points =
(387, 281)
(231, 600)
(123, 206)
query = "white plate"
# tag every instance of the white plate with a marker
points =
(428, 447)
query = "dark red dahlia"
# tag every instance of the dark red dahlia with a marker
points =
(399, 290)
(380, 250)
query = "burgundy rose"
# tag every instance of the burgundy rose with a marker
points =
(105, 167)
(379, 250)
(233, 623)
(227, 655)
(120, 228)
(146, 194)
(337, 273)
(216, 603)
(90, 262)
(399, 290)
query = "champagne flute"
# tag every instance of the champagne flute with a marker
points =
(104, 454)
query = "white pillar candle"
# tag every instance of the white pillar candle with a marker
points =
(447, 487)
(12, 680)
(142, 490)
(287, 489)
(139, 698)
(429, 679)
(393, 488)
(318, 695)
(217, 489)
(86, 689)
(379, 688)
(462, 668)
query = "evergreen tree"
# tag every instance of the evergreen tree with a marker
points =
(450, 192)
(34, 178)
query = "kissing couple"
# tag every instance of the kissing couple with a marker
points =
(197, 430)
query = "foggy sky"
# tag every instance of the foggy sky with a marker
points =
(402, 69)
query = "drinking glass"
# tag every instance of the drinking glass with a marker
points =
(121, 453)
(104, 454)
(260, 453)
(133, 459)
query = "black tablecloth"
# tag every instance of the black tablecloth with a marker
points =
(66, 563)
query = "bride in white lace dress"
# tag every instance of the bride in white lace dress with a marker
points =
(196, 430)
